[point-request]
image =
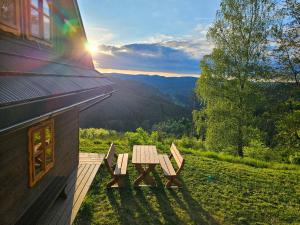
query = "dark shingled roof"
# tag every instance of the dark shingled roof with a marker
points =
(35, 82)
(16, 89)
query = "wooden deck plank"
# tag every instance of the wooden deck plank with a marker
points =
(56, 211)
(72, 186)
(70, 212)
(69, 209)
(84, 191)
(64, 210)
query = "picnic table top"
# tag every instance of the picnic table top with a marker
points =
(145, 154)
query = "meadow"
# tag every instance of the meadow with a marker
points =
(217, 188)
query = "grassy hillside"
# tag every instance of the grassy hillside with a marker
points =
(214, 192)
(133, 105)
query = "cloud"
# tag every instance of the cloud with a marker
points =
(194, 44)
(146, 57)
(161, 52)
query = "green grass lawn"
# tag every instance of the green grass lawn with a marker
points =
(213, 192)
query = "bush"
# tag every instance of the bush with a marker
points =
(295, 158)
(258, 150)
(93, 133)
(141, 137)
(190, 142)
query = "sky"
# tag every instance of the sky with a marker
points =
(163, 37)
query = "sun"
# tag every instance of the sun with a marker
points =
(92, 47)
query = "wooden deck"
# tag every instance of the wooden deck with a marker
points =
(64, 210)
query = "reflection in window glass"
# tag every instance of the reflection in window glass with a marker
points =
(49, 155)
(41, 150)
(46, 28)
(38, 165)
(37, 138)
(40, 19)
(47, 135)
(8, 12)
(37, 141)
(35, 3)
(35, 28)
(46, 7)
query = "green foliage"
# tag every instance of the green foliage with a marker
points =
(295, 158)
(176, 128)
(225, 87)
(141, 137)
(286, 36)
(200, 124)
(95, 133)
(243, 113)
(289, 126)
(190, 143)
(258, 150)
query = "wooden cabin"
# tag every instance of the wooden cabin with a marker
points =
(47, 78)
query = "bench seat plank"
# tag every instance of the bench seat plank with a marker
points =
(124, 164)
(121, 165)
(166, 165)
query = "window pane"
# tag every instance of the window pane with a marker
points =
(46, 28)
(37, 142)
(35, 3)
(37, 138)
(35, 28)
(46, 8)
(48, 135)
(49, 155)
(38, 164)
(8, 12)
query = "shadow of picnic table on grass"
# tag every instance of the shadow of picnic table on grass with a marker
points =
(156, 205)
(132, 207)
(192, 206)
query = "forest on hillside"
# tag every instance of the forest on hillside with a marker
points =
(249, 87)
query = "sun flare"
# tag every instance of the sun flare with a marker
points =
(92, 47)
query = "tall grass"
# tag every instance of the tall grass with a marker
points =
(245, 160)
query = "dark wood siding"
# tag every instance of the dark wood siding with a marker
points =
(15, 194)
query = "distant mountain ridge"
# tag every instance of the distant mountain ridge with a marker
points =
(179, 90)
(133, 105)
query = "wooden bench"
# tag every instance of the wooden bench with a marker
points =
(168, 168)
(120, 168)
(44, 201)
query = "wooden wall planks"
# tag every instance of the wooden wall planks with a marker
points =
(15, 194)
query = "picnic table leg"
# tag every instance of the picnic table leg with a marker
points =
(116, 182)
(172, 180)
(144, 175)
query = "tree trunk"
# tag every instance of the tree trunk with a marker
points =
(240, 142)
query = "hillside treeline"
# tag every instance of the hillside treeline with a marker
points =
(249, 88)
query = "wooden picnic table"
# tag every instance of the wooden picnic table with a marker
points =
(145, 158)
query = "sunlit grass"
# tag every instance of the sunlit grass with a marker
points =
(217, 189)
